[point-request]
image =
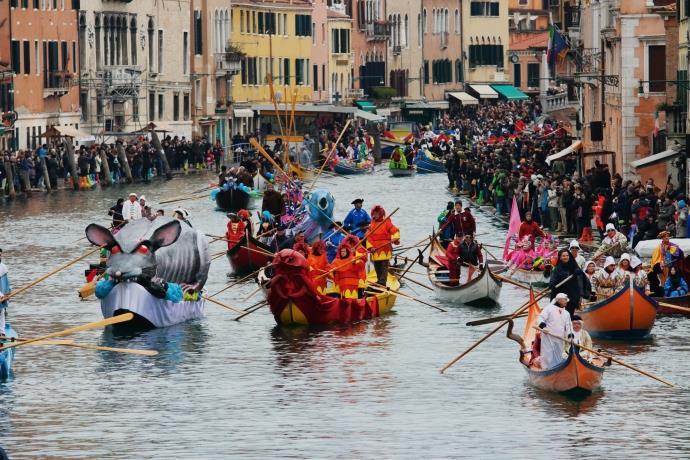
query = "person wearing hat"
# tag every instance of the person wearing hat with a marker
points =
(145, 210)
(682, 220)
(182, 215)
(131, 209)
(575, 251)
(555, 320)
(445, 229)
(530, 229)
(236, 230)
(454, 260)
(358, 219)
(462, 219)
(666, 254)
(566, 269)
(382, 236)
(624, 270)
(607, 281)
(116, 212)
(580, 337)
(5, 290)
(332, 238)
(614, 243)
(639, 276)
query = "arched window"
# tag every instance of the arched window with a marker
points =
(406, 32)
(445, 21)
(425, 26)
(457, 21)
(216, 30)
(420, 30)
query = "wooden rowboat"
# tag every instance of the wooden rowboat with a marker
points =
(232, 200)
(481, 291)
(248, 255)
(7, 356)
(576, 376)
(537, 278)
(426, 165)
(403, 172)
(294, 301)
(628, 314)
(682, 301)
(349, 170)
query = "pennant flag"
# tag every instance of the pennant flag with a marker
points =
(92, 275)
(519, 126)
(513, 228)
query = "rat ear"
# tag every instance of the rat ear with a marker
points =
(100, 236)
(165, 235)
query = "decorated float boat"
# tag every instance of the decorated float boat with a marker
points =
(248, 255)
(156, 270)
(295, 301)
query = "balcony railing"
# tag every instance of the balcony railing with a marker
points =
(58, 83)
(228, 63)
(378, 31)
(555, 102)
(444, 40)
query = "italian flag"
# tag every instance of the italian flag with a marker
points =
(656, 123)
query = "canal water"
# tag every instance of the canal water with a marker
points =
(248, 389)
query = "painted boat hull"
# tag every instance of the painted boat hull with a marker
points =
(574, 376)
(344, 170)
(135, 298)
(428, 166)
(315, 309)
(628, 314)
(682, 301)
(535, 278)
(397, 172)
(247, 256)
(7, 356)
(482, 291)
(232, 200)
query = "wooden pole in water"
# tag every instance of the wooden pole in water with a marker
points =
(107, 179)
(71, 165)
(11, 192)
(124, 164)
(44, 172)
(674, 307)
(161, 154)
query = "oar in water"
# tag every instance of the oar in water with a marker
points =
(674, 307)
(249, 310)
(607, 356)
(495, 319)
(524, 307)
(48, 275)
(221, 304)
(242, 280)
(87, 346)
(123, 318)
(381, 288)
(184, 199)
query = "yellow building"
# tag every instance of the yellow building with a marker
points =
(340, 56)
(276, 38)
(485, 38)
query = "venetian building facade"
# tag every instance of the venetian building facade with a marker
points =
(405, 48)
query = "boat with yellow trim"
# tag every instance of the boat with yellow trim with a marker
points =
(294, 300)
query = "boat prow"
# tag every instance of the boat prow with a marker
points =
(248, 255)
(7, 356)
(573, 377)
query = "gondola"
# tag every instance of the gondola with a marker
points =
(426, 165)
(481, 291)
(403, 172)
(682, 301)
(232, 200)
(349, 169)
(576, 376)
(248, 255)
(536, 278)
(294, 301)
(7, 356)
(628, 314)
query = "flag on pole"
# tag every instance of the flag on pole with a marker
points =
(656, 124)
(513, 228)
(558, 46)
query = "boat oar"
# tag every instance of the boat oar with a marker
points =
(381, 288)
(221, 304)
(252, 309)
(674, 307)
(87, 346)
(495, 319)
(607, 356)
(184, 198)
(509, 281)
(335, 145)
(524, 307)
(416, 282)
(123, 318)
(48, 275)
(255, 291)
(241, 280)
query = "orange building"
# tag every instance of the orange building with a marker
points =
(529, 37)
(40, 44)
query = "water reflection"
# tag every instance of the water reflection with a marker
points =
(560, 405)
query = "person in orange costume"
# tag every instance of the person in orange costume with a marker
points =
(318, 265)
(235, 230)
(346, 268)
(353, 242)
(381, 235)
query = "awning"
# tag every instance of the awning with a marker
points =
(463, 97)
(368, 116)
(442, 105)
(656, 158)
(485, 91)
(383, 112)
(366, 106)
(269, 109)
(420, 106)
(574, 147)
(510, 92)
(207, 121)
(67, 131)
(243, 113)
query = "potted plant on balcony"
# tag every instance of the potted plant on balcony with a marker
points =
(233, 52)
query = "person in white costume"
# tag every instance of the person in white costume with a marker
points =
(555, 320)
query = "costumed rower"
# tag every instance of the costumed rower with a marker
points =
(666, 254)
(530, 229)
(580, 337)
(361, 252)
(131, 209)
(606, 281)
(446, 230)
(462, 219)
(236, 230)
(5, 289)
(346, 269)
(614, 243)
(357, 219)
(453, 260)
(381, 235)
(575, 251)
(318, 265)
(555, 320)
(471, 255)
(398, 159)
(333, 237)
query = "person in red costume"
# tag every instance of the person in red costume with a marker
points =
(346, 269)
(453, 259)
(530, 229)
(235, 231)
(353, 242)
(462, 220)
(318, 265)
(382, 235)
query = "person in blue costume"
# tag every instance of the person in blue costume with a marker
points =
(332, 238)
(5, 289)
(357, 219)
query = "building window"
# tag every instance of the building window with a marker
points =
(459, 77)
(656, 63)
(517, 75)
(198, 34)
(176, 106)
(299, 71)
(457, 21)
(161, 106)
(241, 21)
(185, 52)
(303, 25)
(197, 94)
(426, 72)
(315, 78)
(479, 8)
(65, 56)
(152, 46)
(152, 106)
(489, 55)
(99, 108)
(133, 40)
(135, 109)
(37, 58)
(441, 71)
(84, 103)
(286, 71)
(340, 41)
(533, 75)
(16, 68)
(185, 106)
(74, 60)
(27, 57)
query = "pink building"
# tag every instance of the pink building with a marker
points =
(319, 51)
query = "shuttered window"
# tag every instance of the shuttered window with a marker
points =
(657, 68)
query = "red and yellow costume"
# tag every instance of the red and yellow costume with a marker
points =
(352, 241)
(234, 233)
(381, 235)
(318, 265)
(346, 270)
